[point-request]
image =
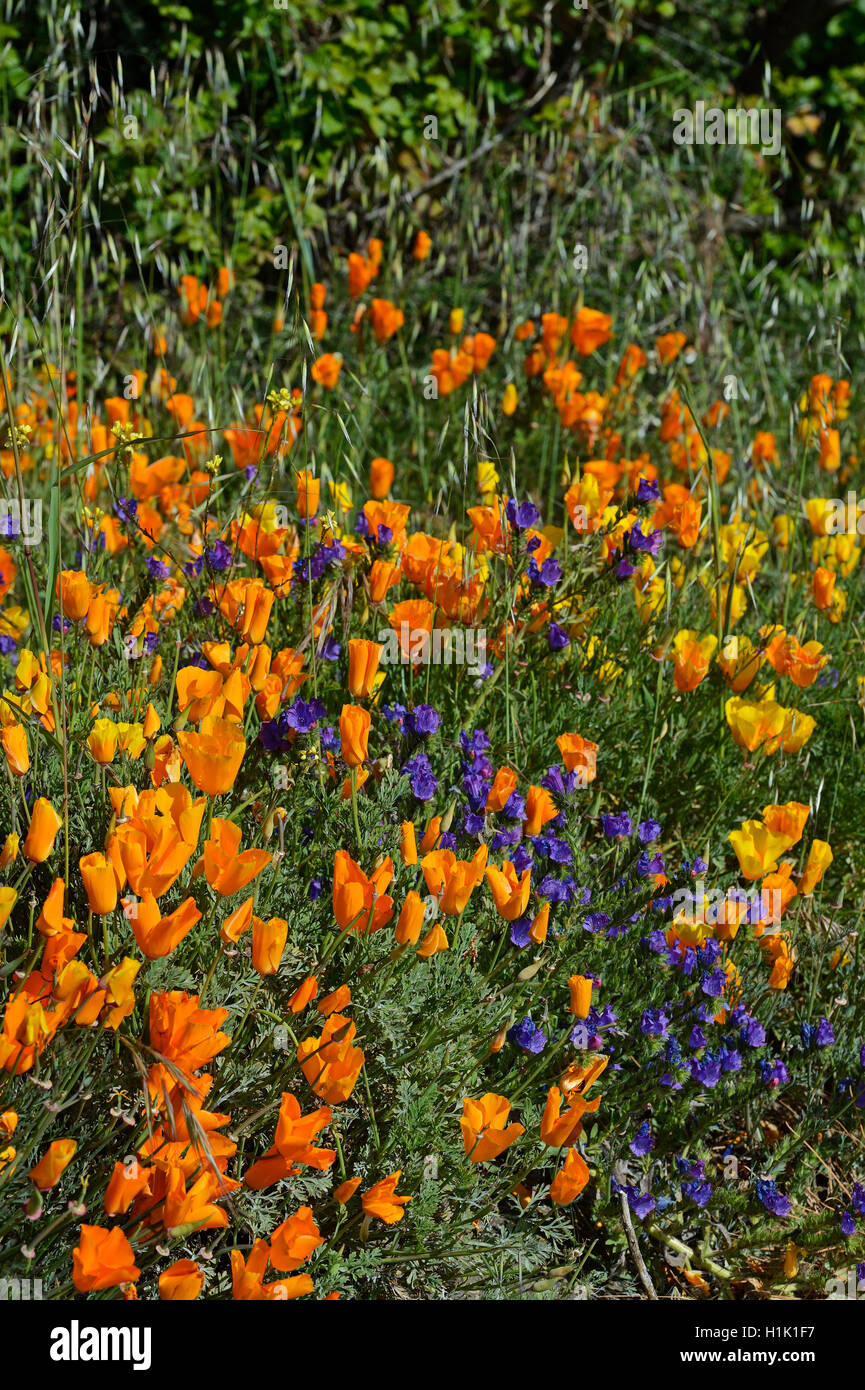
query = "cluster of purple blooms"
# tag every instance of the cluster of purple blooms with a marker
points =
(300, 717)
(321, 558)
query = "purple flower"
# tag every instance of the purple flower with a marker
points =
(519, 932)
(523, 516)
(642, 1143)
(548, 575)
(596, 921)
(557, 638)
(654, 1023)
(423, 719)
(649, 544)
(527, 1036)
(642, 1204)
(752, 1033)
(699, 1192)
(316, 887)
(773, 1200)
(424, 783)
(157, 569)
(616, 826)
(219, 556)
(825, 1035)
(713, 985)
(647, 491)
(522, 860)
(848, 1225)
(303, 715)
(648, 830)
(706, 1070)
(774, 1074)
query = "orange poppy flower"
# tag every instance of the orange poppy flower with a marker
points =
(74, 592)
(510, 891)
(247, 1278)
(579, 754)
(330, 1063)
(669, 345)
(326, 370)
(44, 824)
(411, 919)
(452, 881)
(434, 942)
(557, 1129)
(305, 992)
(268, 944)
(100, 883)
(590, 330)
(361, 904)
(381, 474)
(182, 1032)
(580, 987)
(308, 492)
(570, 1180)
(386, 319)
(182, 1282)
(503, 787)
(293, 1145)
(421, 246)
(540, 808)
(363, 660)
(408, 843)
(485, 1128)
(51, 1166)
(156, 935)
(382, 1201)
(227, 869)
(295, 1240)
(128, 1181)
(213, 755)
(354, 723)
(14, 741)
(102, 1259)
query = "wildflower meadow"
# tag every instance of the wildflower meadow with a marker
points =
(432, 665)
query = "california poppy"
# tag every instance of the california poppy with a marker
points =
(382, 1201)
(485, 1128)
(354, 724)
(102, 1259)
(44, 824)
(213, 755)
(363, 660)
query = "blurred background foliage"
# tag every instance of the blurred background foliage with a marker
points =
(217, 124)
